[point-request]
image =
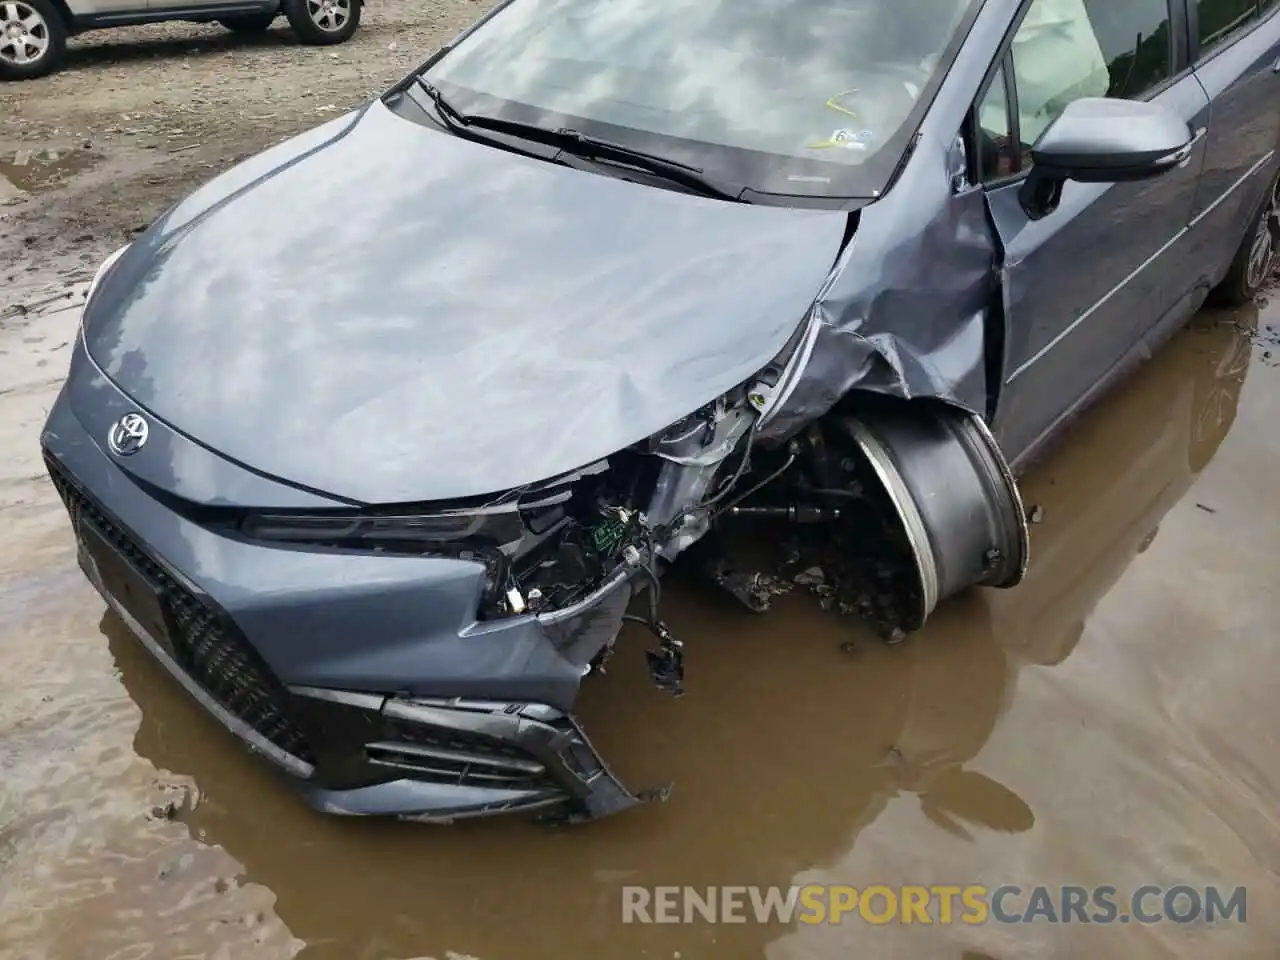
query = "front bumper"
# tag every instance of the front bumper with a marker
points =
(365, 679)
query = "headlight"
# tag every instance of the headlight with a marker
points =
(107, 264)
(446, 530)
(476, 537)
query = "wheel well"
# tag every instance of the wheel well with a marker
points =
(68, 18)
(936, 468)
(860, 400)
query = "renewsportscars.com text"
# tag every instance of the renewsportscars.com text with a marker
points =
(942, 904)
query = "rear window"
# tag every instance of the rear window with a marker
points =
(1220, 20)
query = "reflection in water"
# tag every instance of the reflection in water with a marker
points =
(785, 750)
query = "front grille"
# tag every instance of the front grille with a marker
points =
(206, 644)
(439, 755)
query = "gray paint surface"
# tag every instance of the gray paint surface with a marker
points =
(328, 619)
(903, 314)
(1071, 325)
(447, 293)
(397, 314)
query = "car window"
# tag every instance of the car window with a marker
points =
(767, 93)
(997, 156)
(1219, 20)
(1068, 49)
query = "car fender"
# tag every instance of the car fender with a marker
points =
(910, 308)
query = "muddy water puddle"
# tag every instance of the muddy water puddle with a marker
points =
(38, 170)
(1110, 722)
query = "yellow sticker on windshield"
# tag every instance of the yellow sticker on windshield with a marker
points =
(838, 104)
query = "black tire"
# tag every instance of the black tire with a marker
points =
(250, 22)
(308, 19)
(41, 45)
(1259, 254)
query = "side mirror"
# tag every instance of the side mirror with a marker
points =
(1097, 140)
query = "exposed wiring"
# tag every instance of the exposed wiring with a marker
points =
(655, 591)
(651, 622)
(737, 474)
(666, 663)
(767, 480)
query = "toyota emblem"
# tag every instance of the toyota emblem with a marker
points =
(128, 434)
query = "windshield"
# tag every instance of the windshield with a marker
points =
(784, 96)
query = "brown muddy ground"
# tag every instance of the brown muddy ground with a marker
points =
(138, 117)
(1111, 721)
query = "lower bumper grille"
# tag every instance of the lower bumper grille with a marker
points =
(205, 642)
(461, 758)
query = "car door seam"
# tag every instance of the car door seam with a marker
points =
(1039, 354)
(1026, 365)
(1233, 188)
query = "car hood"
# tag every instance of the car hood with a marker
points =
(383, 312)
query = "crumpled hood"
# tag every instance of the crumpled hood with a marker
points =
(383, 312)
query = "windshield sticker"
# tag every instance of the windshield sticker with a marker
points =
(837, 103)
(844, 139)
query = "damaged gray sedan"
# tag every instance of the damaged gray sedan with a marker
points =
(375, 439)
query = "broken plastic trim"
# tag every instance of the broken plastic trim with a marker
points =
(563, 551)
(616, 581)
(790, 364)
(553, 739)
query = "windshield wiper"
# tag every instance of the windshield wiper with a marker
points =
(456, 120)
(577, 144)
(593, 148)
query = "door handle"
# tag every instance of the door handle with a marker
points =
(1275, 67)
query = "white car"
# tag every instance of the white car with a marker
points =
(33, 33)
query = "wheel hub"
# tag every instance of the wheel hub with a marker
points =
(24, 37)
(329, 15)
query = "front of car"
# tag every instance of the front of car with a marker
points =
(372, 439)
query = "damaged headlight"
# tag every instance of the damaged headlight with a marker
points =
(484, 537)
(393, 531)
(559, 546)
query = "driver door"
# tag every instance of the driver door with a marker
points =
(166, 5)
(1082, 286)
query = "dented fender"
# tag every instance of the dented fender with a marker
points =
(909, 309)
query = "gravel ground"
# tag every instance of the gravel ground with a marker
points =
(138, 117)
